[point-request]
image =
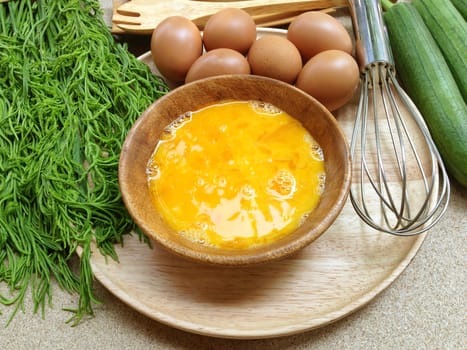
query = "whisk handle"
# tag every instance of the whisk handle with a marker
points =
(372, 43)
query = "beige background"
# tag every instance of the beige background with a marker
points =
(425, 308)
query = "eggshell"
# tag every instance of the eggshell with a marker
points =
(331, 77)
(175, 44)
(314, 31)
(275, 57)
(230, 28)
(218, 62)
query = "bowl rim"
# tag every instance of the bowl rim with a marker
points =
(241, 257)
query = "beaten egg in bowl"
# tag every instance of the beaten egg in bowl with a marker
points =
(236, 174)
(253, 184)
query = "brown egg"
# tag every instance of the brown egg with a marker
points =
(314, 31)
(218, 62)
(331, 77)
(230, 28)
(275, 57)
(175, 44)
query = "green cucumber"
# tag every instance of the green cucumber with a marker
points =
(461, 6)
(427, 79)
(449, 29)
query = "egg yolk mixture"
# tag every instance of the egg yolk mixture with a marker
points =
(236, 174)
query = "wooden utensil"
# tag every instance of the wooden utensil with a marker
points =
(142, 16)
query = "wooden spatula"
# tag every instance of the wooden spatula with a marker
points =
(142, 16)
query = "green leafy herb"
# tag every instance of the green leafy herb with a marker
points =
(68, 95)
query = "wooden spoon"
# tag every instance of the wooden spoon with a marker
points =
(142, 16)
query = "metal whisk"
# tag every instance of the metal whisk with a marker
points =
(399, 184)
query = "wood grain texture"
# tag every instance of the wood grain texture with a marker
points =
(143, 16)
(115, 5)
(334, 276)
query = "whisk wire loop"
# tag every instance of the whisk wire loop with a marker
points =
(399, 184)
(389, 158)
(390, 108)
(441, 203)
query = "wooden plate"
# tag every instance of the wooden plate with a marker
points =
(338, 274)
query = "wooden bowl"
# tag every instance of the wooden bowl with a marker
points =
(143, 137)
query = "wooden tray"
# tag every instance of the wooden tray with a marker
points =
(338, 274)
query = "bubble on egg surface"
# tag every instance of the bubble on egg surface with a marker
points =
(196, 235)
(152, 170)
(282, 185)
(265, 108)
(168, 133)
(179, 122)
(221, 181)
(317, 152)
(321, 183)
(315, 149)
(197, 231)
